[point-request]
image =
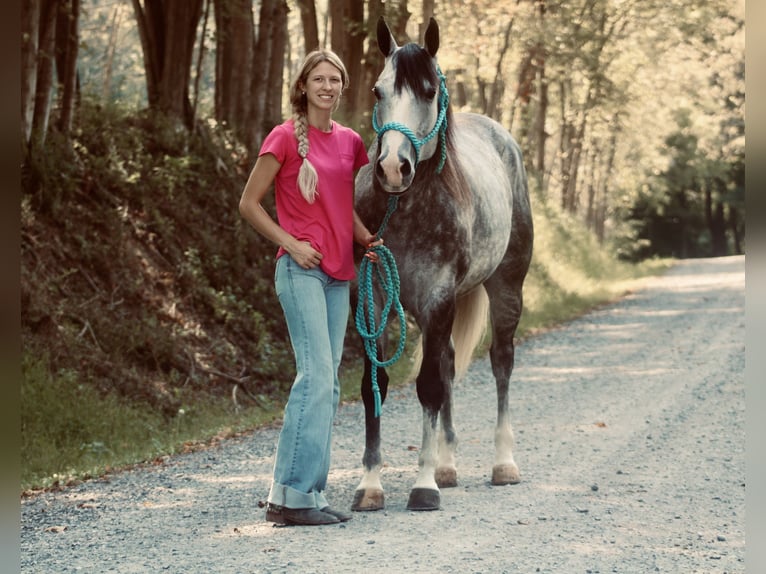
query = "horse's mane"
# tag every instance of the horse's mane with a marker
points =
(415, 70)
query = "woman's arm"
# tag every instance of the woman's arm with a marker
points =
(362, 235)
(251, 208)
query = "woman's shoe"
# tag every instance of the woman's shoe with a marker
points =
(299, 516)
(339, 514)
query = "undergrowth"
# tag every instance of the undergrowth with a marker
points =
(149, 321)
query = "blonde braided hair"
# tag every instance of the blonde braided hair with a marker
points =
(307, 175)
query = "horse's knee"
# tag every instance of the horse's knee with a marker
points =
(430, 395)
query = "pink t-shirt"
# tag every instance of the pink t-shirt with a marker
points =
(328, 223)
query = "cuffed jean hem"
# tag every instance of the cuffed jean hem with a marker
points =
(288, 497)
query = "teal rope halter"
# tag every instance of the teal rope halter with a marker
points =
(440, 127)
(388, 276)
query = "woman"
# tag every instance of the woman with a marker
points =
(312, 161)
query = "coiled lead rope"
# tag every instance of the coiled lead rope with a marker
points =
(388, 276)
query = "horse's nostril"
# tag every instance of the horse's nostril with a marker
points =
(406, 168)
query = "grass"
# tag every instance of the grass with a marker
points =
(70, 431)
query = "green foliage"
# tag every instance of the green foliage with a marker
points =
(140, 282)
(571, 272)
(70, 431)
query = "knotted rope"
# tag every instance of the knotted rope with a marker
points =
(388, 277)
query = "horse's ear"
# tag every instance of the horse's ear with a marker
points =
(386, 41)
(432, 37)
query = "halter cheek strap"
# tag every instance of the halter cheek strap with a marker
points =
(440, 127)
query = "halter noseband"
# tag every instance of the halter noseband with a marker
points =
(440, 127)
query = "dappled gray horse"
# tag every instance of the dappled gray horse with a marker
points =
(460, 232)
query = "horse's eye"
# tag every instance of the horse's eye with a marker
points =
(377, 93)
(430, 93)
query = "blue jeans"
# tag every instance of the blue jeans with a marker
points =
(316, 309)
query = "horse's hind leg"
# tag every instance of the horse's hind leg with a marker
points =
(505, 311)
(369, 494)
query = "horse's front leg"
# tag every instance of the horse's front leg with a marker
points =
(446, 468)
(433, 385)
(369, 493)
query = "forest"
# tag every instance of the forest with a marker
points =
(140, 121)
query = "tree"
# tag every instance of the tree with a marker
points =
(235, 47)
(67, 43)
(309, 23)
(30, 40)
(168, 32)
(347, 34)
(267, 80)
(43, 70)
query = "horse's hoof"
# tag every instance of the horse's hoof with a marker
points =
(505, 474)
(423, 499)
(446, 477)
(368, 499)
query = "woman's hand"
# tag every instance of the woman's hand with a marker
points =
(304, 254)
(372, 255)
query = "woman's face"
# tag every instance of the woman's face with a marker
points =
(323, 86)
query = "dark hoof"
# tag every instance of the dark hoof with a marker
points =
(446, 477)
(368, 499)
(423, 499)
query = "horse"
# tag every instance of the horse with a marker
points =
(461, 236)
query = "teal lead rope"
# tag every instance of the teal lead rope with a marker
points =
(388, 276)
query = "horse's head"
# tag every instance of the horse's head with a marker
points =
(410, 113)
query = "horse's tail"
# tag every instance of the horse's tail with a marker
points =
(468, 329)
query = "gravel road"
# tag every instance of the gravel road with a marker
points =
(630, 438)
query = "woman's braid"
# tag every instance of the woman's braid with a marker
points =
(307, 175)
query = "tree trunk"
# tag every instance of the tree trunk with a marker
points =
(602, 204)
(44, 81)
(235, 35)
(397, 16)
(338, 10)
(168, 30)
(30, 32)
(542, 113)
(498, 85)
(106, 88)
(372, 64)
(67, 42)
(267, 81)
(714, 215)
(200, 60)
(182, 17)
(427, 14)
(276, 77)
(149, 20)
(309, 21)
(353, 59)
